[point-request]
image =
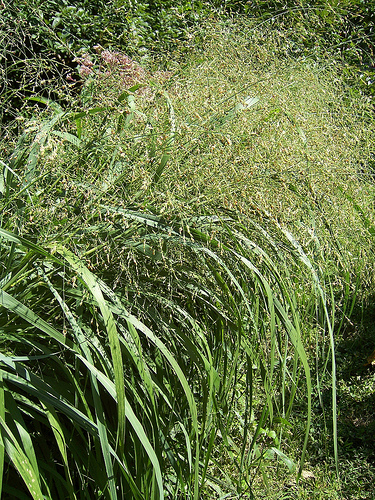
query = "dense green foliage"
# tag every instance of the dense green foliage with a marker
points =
(42, 40)
(185, 252)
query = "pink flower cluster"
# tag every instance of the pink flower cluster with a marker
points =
(116, 59)
(129, 71)
(86, 65)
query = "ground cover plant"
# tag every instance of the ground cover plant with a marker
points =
(185, 255)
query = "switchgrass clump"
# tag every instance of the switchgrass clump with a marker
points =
(178, 259)
(301, 133)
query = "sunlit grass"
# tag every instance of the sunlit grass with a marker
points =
(176, 259)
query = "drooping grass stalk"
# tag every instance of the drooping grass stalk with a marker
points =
(232, 272)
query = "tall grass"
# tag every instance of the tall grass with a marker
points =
(175, 261)
(146, 402)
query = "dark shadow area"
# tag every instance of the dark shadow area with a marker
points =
(356, 403)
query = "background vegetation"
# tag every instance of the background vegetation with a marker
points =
(186, 250)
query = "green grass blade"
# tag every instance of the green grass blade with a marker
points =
(59, 434)
(12, 304)
(14, 238)
(91, 282)
(22, 432)
(81, 340)
(168, 143)
(121, 311)
(73, 139)
(21, 462)
(2, 416)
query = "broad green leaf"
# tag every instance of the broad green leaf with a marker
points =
(287, 461)
(73, 139)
